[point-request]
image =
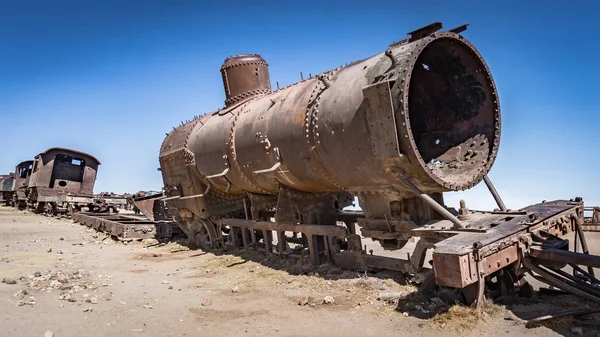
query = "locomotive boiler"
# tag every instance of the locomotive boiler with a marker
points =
(274, 170)
(425, 111)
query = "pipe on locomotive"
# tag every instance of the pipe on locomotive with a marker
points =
(427, 107)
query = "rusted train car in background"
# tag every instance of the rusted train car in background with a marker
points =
(22, 177)
(6, 188)
(274, 170)
(108, 202)
(592, 222)
(58, 180)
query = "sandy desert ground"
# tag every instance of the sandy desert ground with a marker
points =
(63, 279)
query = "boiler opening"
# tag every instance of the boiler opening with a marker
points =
(453, 113)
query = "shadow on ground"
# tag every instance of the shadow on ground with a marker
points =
(546, 305)
(431, 309)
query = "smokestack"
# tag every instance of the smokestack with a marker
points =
(245, 76)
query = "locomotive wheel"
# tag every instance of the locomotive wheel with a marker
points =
(428, 286)
(21, 205)
(52, 208)
(205, 235)
(505, 282)
(233, 236)
(466, 296)
(39, 207)
(508, 283)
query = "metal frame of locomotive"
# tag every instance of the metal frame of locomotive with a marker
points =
(150, 204)
(396, 130)
(58, 180)
(153, 224)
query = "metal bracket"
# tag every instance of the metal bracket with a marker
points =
(222, 173)
(168, 189)
(323, 79)
(197, 195)
(392, 58)
(171, 198)
(233, 107)
(424, 31)
(429, 200)
(495, 194)
(218, 174)
(272, 168)
(459, 29)
(264, 141)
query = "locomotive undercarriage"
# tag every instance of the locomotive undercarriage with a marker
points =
(488, 255)
(58, 207)
(47, 201)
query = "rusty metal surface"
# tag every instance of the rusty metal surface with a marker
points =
(461, 270)
(244, 76)
(127, 227)
(498, 227)
(498, 244)
(64, 171)
(378, 110)
(44, 194)
(146, 207)
(153, 207)
(553, 254)
(308, 229)
(185, 185)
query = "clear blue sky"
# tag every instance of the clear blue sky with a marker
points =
(112, 77)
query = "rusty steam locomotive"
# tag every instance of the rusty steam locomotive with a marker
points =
(274, 170)
(58, 180)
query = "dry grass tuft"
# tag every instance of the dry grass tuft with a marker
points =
(461, 318)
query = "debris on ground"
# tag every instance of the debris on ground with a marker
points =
(9, 280)
(388, 297)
